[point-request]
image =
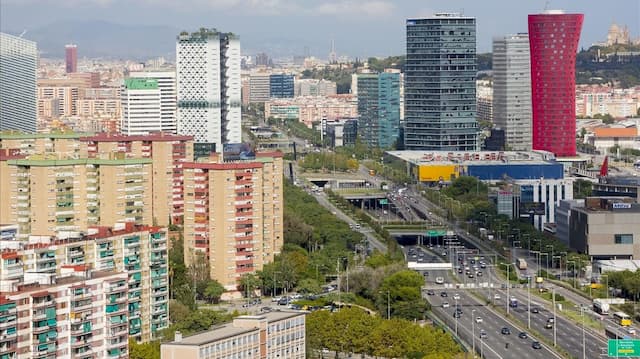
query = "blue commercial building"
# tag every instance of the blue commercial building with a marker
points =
(440, 84)
(379, 109)
(281, 86)
(520, 171)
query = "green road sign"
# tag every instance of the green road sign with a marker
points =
(384, 201)
(436, 233)
(623, 347)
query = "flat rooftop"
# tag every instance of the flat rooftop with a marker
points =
(230, 330)
(474, 157)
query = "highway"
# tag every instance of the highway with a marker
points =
(491, 345)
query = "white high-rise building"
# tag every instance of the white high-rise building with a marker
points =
(168, 103)
(512, 90)
(209, 87)
(18, 99)
(140, 107)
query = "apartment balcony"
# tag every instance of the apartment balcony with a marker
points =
(75, 253)
(80, 343)
(118, 331)
(43, 304)
(82, 306)
(12, 273)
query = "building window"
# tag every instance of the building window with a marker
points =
(623, 238)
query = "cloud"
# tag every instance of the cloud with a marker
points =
(375, 8)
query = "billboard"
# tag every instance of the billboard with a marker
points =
(237, 151)
(533, 208)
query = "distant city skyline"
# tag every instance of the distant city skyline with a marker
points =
(284, 27)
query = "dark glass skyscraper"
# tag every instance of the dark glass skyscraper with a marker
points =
(440, 84)
(281, 86)
(379, 108)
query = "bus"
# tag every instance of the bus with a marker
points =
(622, 319)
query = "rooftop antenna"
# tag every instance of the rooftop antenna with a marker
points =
(546, 5)
(23, 32)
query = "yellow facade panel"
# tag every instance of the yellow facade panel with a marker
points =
(435, 173)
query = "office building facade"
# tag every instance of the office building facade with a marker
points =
(281, 86)
(208, 87)
(140, 107)
(259, 87)
(440, 88)
(234, 215)
(279, 334)
(18, 64)
(512, 90)
(166, 81)
(553, 42)
(379, 109)
(71, 58)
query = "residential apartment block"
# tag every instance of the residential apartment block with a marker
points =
(311, 109)
(167, 154)
(162, 155)
(80, 315)
(137, 255)
(279, 334)
(234, 215)
(46, 193)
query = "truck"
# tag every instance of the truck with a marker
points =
(522, 264)
(600, 306)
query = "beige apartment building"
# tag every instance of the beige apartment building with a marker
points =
(166, 154)
(279, 334)
(234, 215)
(46, 193)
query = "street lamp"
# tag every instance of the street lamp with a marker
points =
(473, 331)
(547, 247)
(456, 315)
(274, 282)
(529, 304)
(547, 256)
(574, 272)
(607, 287)
(584, 351)
(555, 320)
(388, 305)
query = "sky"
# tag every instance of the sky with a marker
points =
(360, 28)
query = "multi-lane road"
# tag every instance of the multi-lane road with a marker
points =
(477, 325)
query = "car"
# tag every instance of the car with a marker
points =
(458, 310)
(483, 266)
(445, 304)
(522, 335)
(470, 275)
(265, 309)
(426, 274)
(548, 325)
(550, 320)
(496, 296)
(439, 280)
(443, 294)
(456, 314)
(505, 331)
(479, 274)
(536, 345)
(460, 270)
(483, 334)
(276, 299)
(444, 254)
(535, 310)
(431, 292)
(478, 320)
(456, 296)
(631, 330)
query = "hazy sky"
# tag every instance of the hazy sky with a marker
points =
(359, 27)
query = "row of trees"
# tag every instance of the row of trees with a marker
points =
(330, 161)
(352, 330)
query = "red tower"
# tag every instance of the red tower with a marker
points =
(71, 58)
(553, 40)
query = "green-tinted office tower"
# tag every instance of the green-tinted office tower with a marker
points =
(440, 84)
(379, 108)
